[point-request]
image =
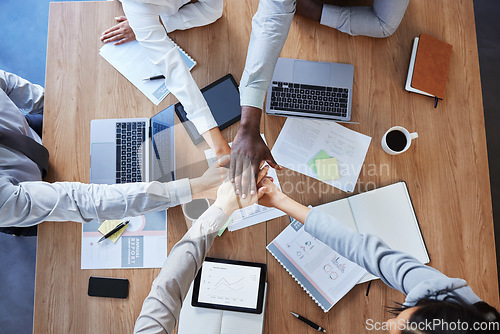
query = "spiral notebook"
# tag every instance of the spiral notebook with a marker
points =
(132, 61)
(320, 271)
(386, 212)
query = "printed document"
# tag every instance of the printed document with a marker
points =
(131, 60)
(303, 141)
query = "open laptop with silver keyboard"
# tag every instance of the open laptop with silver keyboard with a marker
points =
(133, 149)
(311, 89)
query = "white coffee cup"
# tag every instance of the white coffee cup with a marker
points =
(397, 140)
(194, 209)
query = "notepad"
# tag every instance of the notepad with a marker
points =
(132, 61)
(108, 225)
(326, 276)
(211, 321)
(386, 212)
(429, 66)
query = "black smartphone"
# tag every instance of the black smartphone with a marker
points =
(108, 287)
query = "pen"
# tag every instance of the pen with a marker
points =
(113, 231)
(309, 322)
(156, 77)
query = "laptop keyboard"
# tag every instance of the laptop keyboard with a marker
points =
(130, 137)
(309, 99)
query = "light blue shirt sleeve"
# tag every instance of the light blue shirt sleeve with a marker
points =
(270, 26)
(380, 20)
(396, 269)
(30, 203)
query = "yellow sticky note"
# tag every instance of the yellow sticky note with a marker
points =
(328, 169)
(108, 225)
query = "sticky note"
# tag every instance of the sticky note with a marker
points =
(321, 155)
(327, 169)
(225, 226)
(108, 225)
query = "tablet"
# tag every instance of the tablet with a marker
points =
(223, 99)
(230, 285)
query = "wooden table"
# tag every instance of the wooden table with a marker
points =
(446, 168)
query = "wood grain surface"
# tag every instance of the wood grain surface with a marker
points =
(446, 168)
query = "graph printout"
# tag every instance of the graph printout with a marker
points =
(229, 284)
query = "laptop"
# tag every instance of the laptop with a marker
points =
(311, 89)
(133, 149)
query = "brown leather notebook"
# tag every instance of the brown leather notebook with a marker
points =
(432, 64)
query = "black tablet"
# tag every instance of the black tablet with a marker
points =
(230, 285)
(223, 98)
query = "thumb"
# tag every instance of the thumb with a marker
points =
(270, 160)
(261, 192)
(223, 161)
(121, 18)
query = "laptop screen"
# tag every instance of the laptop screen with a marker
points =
(163, 146)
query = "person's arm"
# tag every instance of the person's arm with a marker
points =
(397, 269)
(30, 203)
(144, 20)
(26, 96)
(380, 20)
(270, 26)
(161, 309)
(193, 15)
(119, 33)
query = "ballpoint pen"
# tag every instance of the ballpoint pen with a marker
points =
(156, 77)
(113, 231)
(309, 322)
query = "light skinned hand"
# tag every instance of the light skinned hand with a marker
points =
(206, 186)
(273, 196)
(229, 202)
(119, 33)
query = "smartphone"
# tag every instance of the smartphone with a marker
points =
(108, 287)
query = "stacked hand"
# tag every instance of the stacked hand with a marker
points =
(229, 201)
(248, 154)
(206, 185)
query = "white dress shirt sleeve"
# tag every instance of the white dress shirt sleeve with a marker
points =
(270, 26)
(380, 20)
(193, 15)
(161, 309)
(144, 20)
(30, 203)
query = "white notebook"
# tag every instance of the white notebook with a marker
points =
(386, 212)
(193, 320)
(132, 61)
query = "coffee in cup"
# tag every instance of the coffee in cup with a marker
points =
(194, 209)
(397, 140)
